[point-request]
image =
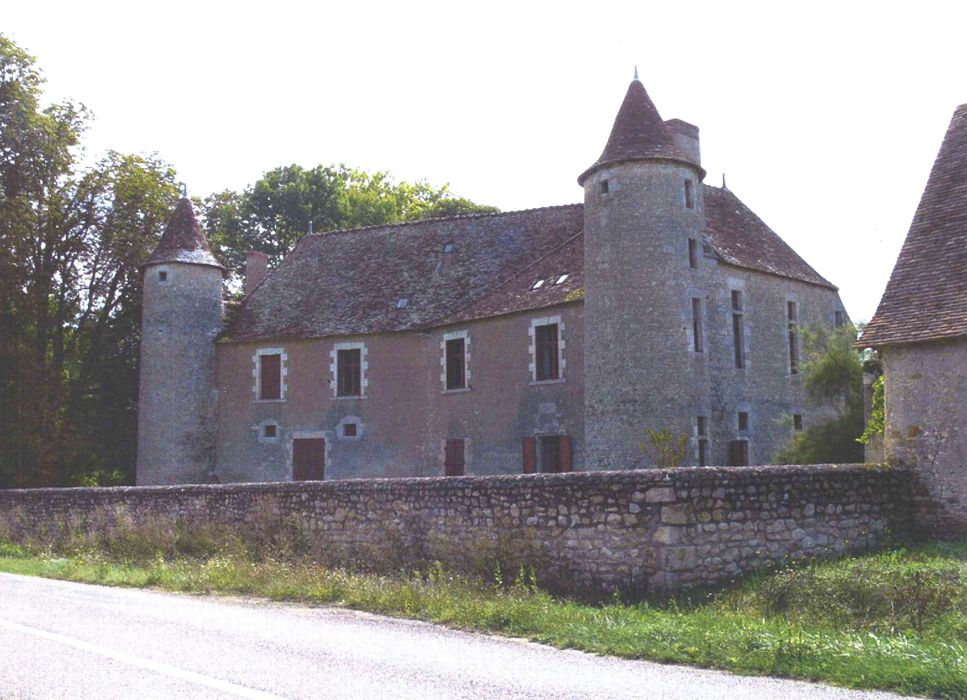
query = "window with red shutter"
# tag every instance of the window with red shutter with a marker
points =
(530, 455)
(270, 377)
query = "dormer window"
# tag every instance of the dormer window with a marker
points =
(689, 194)
(562, 279)
(538, 284)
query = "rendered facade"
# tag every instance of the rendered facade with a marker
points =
(540, 340)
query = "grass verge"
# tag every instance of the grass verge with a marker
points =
(895, 620)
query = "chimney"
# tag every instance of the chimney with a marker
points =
(256, 268)
(686, 138)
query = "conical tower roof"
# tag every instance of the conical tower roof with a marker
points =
(638, 134)
(183, 240)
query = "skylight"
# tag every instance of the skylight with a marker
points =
(538, 284)
(449, 247)
(562, 279)
(402, 302)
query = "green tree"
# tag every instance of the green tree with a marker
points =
(274, 213)
(833, 374)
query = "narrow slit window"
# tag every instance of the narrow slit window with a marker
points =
(838, 319)
(349, 372)
(697, 342)
(693, 253)
(162, 275)
(546, 349)
(689, 191)
(797, 422)
(793, 325)
(702, 430)
(604, 186)
(738, 329)
(743, 421)
(456, 358)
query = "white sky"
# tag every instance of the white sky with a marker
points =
(826, 116)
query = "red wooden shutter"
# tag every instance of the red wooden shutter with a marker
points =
(270, 377)
(530, 455)
(567, 460)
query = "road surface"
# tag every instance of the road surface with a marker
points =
(69, 640)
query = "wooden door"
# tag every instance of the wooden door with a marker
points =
(738, 453)
(454, 460)
(308, 459)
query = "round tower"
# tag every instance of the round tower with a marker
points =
(182, 314)
(644, 306)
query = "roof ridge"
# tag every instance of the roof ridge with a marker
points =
(454, 217)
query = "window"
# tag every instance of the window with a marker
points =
(538, 284)
(743, 421)
(689, 194)
(349, 430)
(604, 186)
(449, 247)
(797, 421)
(270, 376)
(793, 324)
(349, 372)
(270, 431)
(162, 275)
(697, 344)
(545, 351)
(693, 253)
(838, 319)
(456, 375)
(738, 329)
(454, 458)
(701, 428)
(739, 453)
(402, 303)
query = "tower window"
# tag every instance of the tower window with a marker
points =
(693, 253)
(743, 420)
(689, 194)
(603, 185)
(697, 343)
(701, 428)
(738, 329)
(838, 319)
(797, 422)
(162, 275)
(792, 318)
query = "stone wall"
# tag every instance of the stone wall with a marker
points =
(926, 429)
(635, 531)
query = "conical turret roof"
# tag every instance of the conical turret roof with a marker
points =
(183, 240)
(638, 134)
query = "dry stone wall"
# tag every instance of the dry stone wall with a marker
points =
(634, 531)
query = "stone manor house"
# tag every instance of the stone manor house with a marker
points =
(541, 340)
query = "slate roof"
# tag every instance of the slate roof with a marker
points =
(349, 282)
(741, 238)
(639, 133)
(926, 297)
(183, 240)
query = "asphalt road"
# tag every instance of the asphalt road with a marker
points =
(68, 640)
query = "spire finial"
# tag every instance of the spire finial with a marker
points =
(184, 190)
(723, 181)
(636, 72)
(310, 226)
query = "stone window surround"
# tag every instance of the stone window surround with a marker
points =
(308, 434)
(257, 373)
(467, 457)
(793, 297)
(532, 336)
(260, 432)
(736, 284)
(360, 430)
(363, 370)
(453, 335)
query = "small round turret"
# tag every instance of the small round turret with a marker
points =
(182, 314)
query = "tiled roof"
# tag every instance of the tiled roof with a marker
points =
(183, 240)
(349, 282)
(638, 134)
(741, 238)
(926, 297)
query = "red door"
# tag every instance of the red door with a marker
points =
(308, 459)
